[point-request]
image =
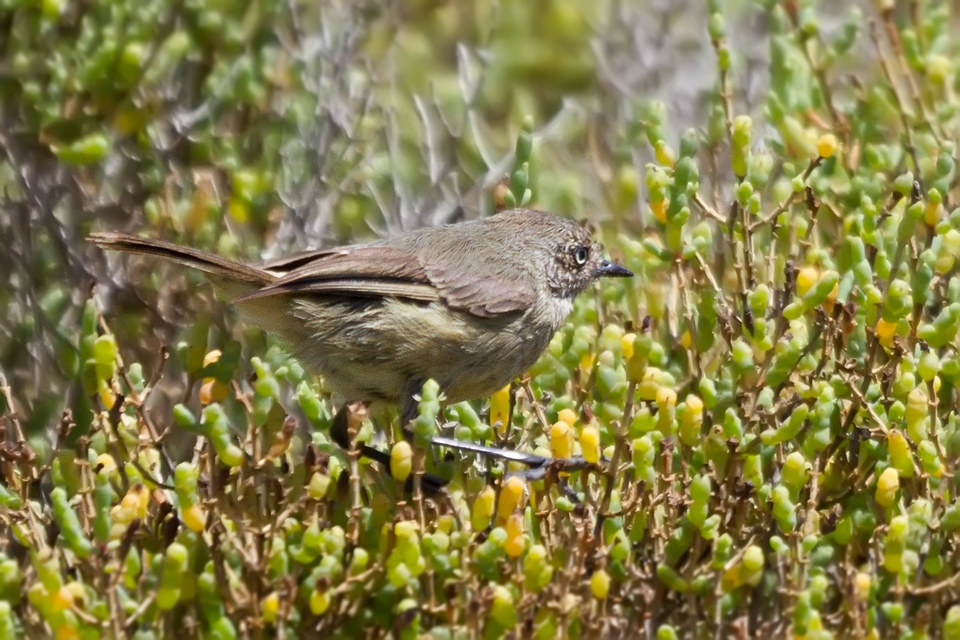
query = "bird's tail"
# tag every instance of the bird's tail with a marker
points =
(233, 278)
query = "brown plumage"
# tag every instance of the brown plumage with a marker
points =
(471, 305)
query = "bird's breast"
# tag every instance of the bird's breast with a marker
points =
(554, 311)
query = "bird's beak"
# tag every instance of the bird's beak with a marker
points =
(612, 269)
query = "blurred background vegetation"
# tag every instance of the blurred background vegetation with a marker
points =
(774, 392)
(259, 128)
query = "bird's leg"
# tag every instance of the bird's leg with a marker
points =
(539, 466)
(529, 459)
(410, 410)
(340, 427)
(344, 429)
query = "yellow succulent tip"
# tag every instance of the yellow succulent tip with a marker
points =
(827, 145)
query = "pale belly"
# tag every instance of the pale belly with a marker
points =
(386, 349)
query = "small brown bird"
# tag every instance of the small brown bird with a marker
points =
(470, 305)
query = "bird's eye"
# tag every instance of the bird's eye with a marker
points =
(580, 255)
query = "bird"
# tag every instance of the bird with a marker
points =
(471, 305)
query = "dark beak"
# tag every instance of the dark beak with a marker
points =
(612, 269)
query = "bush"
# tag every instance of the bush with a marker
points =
(768, 406)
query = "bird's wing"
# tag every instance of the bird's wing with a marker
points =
(383, 271)
(285, 264)
(359, 271)
(479, 295)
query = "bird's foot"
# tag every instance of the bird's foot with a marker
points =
(347, 422)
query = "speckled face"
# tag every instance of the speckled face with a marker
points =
(577, 263)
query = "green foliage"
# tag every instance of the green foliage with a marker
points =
(768, 409)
